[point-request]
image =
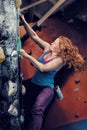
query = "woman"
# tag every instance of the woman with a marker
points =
(59, 53)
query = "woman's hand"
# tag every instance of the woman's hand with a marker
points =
(23, 53)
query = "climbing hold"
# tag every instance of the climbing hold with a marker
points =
(2, 55)
(77, 115)
(30, 52)
(13, 108)
(14, 53)
(76, 89)
(22, 116)
(23, 90)
(18, 3)
(77, 81)
(21, 119)
(12, 88)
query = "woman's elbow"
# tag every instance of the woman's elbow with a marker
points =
(42, 68)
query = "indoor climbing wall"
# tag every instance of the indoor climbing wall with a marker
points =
(9, 69)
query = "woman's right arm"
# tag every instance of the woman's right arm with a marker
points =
(41, 43)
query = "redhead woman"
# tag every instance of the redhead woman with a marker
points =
(59, 53)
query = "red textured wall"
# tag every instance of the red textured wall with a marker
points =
(73, 107)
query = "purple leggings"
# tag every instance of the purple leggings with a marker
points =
(37, 100)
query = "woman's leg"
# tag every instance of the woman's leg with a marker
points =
(41, 103)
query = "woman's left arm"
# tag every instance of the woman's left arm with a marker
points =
(52, 65)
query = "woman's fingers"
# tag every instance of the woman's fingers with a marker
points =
(23, 53)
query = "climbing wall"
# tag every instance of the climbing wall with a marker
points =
(9, 70)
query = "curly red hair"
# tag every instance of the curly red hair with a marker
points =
(70, 54)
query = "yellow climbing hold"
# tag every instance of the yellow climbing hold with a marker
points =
(2, 55)
(18, 3)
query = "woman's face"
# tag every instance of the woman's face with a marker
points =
(55, 46)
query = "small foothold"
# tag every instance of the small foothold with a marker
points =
(77, 115)
(76, 89)
(21, 118)
(77, 81)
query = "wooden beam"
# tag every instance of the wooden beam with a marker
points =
(53, 9)
(32, 5)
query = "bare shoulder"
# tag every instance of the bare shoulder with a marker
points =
(59, 63)
(47, 47)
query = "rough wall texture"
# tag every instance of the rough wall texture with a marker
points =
(9, 96)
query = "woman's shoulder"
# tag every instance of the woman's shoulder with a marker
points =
(60, 63)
